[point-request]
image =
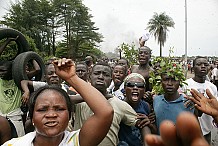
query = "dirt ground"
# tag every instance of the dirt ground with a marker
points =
(190, 75)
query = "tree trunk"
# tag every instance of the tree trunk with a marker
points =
(160, 49)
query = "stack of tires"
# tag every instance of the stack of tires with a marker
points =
(22, 56)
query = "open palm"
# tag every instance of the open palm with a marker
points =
(206, 105)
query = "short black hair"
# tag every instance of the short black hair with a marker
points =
(103, 64)
(125, 69)
(82, 63)
(35, 95)
(198, 57)
(127, 61)
(146, 47)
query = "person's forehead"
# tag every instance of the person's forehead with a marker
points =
(201, 60)
(122, 61)
(119, 67)
(144, 49)
(50, 92)
(88, 58)
(101, 68)
(50, 67)
(79, 66)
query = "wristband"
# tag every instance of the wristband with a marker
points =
(215, 124)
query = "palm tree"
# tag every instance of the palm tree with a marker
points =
(158, 26)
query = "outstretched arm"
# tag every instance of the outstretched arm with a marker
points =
(97, 126)
(179, 135)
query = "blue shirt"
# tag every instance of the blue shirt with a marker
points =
(131, 135)
(168, 110)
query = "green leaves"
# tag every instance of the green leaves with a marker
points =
(130, 53)
(53, 22)
(169, 67)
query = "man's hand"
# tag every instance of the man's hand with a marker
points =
(152, 117)
(25, 98)
(148, 97)
(144, 120)
(204, 104)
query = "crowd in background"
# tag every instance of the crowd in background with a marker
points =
(129, 113)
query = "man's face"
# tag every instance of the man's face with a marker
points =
(118, 75)
(81, 71)
(201, 67)
(169, 84)
(101, 77)
(5, 72)
(51, 77)
(144, 55)
(123, 62)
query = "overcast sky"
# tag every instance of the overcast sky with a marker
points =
(125, 20)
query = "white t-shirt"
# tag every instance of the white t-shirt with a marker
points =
(205, 120)
(214, 73)
(38, 84)
(70, 139)
(119, 92)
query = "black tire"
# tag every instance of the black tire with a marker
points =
(19, 67)
(21, 41)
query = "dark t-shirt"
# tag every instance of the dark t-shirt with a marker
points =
(131, 135)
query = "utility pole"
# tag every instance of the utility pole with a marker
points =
(186, 58)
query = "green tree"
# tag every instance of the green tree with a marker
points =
(49, 20)
(80, 30)
(130, 53)
(158, 26)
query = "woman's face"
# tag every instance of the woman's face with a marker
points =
(135, 88)
(50, 115)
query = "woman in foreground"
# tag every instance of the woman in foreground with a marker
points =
(50, 111)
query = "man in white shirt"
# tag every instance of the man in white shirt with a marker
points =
(199, 83)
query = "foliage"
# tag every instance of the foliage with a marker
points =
(112, 55)
(158, 26)
(169, 67)
(85, 50)
(11, 49)
(130, 53)
(51, 22)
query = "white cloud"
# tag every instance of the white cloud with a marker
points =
(132, 16)
(125, 20)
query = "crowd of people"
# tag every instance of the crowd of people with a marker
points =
(88, 104)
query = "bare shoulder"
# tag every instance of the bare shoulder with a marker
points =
(134, 67)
